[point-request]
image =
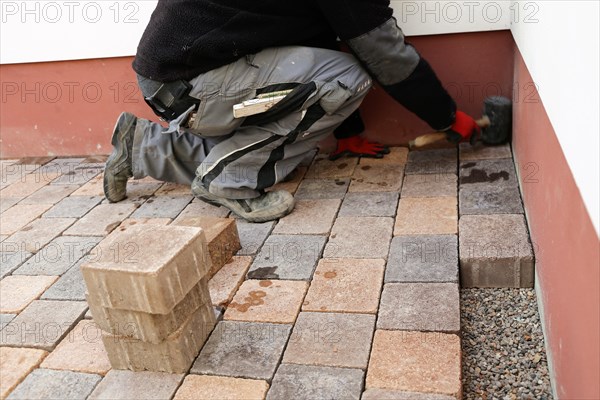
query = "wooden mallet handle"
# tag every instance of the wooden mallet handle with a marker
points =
(430, 138)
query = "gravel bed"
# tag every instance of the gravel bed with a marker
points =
(503, 345)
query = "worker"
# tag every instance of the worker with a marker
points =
(197, 59)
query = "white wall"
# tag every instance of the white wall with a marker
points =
(560, 47)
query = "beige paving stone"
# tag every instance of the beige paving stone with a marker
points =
(129, 222)
(226, 282)
(50, 194)
(8, 202)
(221, 235)
(173, 355)
(40, 232)
(199, 208)
(128, 385)
(331, 339)
(173, 189)
(200, 387)
(360, 237)
(28, 184)
(415, 361)
(427, 216)
(15, 364)
(20, 290)
(345, 285)
(397, 156)
(15, 172)
(483, 152)
(102, 220)
(322, 168)
(377, 178)
(310, 217)
(141, 190)
(430, 185)
(93, 187)
(385, 394)
(291, 182)
(153, 328)
(80, 351)
(276, 301)
(19, 215)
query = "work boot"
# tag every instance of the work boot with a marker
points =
(266, 207)
(118, 166)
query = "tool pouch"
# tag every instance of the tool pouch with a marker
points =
(171, 100)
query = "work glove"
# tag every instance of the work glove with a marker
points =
(464, 129)
(357, 146)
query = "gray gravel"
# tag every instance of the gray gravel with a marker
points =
(503, 345)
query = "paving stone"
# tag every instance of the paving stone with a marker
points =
(80, 351)
(377, 178)
(292, 257)
(62, 165)
(11, 258)
(345, 285)
(436, 161)
(26, 185)
(129, 222)
(73, 207)
(174, 189)
(267, 301)
(331, 339)
(427, 216)
(153, 328)
(420, 307)
(141, 190)
(15, 365)
(291, 182)
(323, 168)
(96, 159)
(483, 152)
(313, 382)
(40, 232)
(5, 319)
(78, 175)
(487, 174)
(70, 286)
(423, 258)
(173, 355)
(92, 188)
(42, 324)
(226, 282)
(221, 235)
(127, 385)
(50, 194)
(495, 251)
(102, 220)
(252, 236)
(384, 394)
(162, 207)
(197, 387)
(323, 188)
(16, 172)
(415, 361)
(243, 350)
(200, 208)
(8, 202)
(135, 268)
(19, 216)
(310, 217)
(370, 204)
(58, 256)
(397, 156)
(493, 200)
(430, 185)
(360, 237)
(50, 384)
(19, 291)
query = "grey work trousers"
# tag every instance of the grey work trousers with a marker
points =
(233, 157)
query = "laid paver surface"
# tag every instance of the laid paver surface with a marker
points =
(353, 295)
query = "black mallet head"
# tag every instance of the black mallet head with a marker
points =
(499, 110)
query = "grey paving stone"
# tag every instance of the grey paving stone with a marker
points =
(323, 188)
(40, 232)
(323, 168)
(493, 200)
(162, 207)
(483, 152)
(5, 319)
(243, 350)
(11, 257)
(127, 385)
(50, 194)
(199, 208)
(360, 237)
(487, 174)
(42, 324)
(423, 258)
(437, 161)
(387, 394)
(60, 166)
(8, 202)
(292, 257)
(311, 382)
(76, 175)
(430, 185)
(58, 256)
(51, 384)
(380, 204)
(252, 236)
(420, 307)
(495, 251)
(70, 286)
(73, 207)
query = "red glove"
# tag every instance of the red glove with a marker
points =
(464, 129)
(356, 146)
